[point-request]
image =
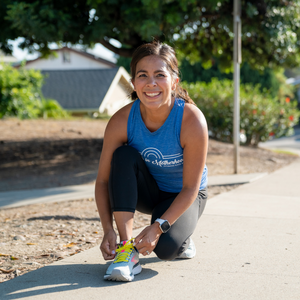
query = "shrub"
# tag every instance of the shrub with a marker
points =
(19, 92)
(21, 96)
(51, 109)
(261, 116)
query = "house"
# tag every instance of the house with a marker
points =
(88, 91)
(83, 83)
(69, 59)
(6, 58)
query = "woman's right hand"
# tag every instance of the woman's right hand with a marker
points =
(109, 245)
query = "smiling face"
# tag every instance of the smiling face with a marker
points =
(153, 82)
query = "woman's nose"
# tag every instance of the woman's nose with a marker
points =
(151, 81)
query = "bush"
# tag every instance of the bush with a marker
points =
(51, 109)
(21, 96)
(261, 116)
(19, 92)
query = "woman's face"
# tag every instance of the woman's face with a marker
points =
(153, 82)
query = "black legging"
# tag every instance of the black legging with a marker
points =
(132, 187)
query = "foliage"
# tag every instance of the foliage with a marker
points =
(196, 72)
(20, 92)
(124, 62)
(199, 30)
(21, 96)
(272, 80)
(261, 116)
(51, 109)
(266, 79)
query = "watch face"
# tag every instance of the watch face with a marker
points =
(165, 226)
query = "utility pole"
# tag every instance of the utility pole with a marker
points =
(237, 59)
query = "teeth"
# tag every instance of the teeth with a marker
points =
(152, 94)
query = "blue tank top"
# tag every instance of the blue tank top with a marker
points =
(161, 150)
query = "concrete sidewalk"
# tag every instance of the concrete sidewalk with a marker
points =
(247, 243)
(290, 143)
(76, 192)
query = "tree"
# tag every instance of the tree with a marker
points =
(200, 30)
(7, 31)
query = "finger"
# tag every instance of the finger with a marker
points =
(146, 253)
(105, 248)
(112, 247)
(108, 257)
(138, 238)
(143, 250)
(140, 245)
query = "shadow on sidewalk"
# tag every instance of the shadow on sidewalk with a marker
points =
(63, 278)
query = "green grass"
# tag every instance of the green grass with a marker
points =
(284, 152)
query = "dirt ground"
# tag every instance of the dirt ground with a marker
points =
(41, 154)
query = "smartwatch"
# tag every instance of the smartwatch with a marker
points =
(164, 225)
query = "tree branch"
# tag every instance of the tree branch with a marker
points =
(119, 51)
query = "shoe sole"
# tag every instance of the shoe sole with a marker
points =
(117, 275)
(186, 256)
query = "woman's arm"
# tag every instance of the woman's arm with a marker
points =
(194, 140)
(115, 136)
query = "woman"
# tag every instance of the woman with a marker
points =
(153, 161)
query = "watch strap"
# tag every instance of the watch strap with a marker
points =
(164, 225)
(160, 221)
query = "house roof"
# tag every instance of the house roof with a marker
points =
(85, 54)
(78, 89)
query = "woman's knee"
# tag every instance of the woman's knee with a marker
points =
(166, 249)
(124, 154)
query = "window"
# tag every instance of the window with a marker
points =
(66, 57)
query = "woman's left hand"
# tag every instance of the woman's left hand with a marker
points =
(147, 240)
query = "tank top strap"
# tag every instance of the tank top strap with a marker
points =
(178, 115)
(132, 120)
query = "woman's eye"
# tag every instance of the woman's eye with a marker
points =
(161, 75)
(142, 75)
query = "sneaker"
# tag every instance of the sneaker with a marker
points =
(190, 252)
(126, 263)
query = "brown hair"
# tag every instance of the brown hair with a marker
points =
(167, 54)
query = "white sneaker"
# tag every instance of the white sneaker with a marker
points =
(190, 252)
(126, 263)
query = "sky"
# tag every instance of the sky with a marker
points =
(98, 50)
